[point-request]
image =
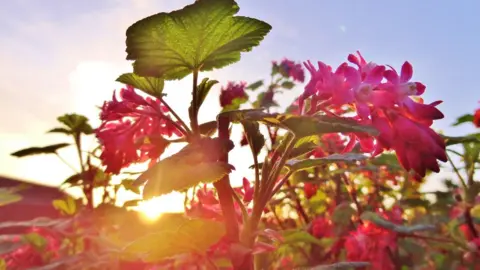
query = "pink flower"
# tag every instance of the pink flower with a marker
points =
(372, 244)
(310, 190)
(233, 95)
(402, 88)
(322, 227)
(417, 146)
(290, 69)
(126, 123)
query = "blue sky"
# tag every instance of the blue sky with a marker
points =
(63, 56)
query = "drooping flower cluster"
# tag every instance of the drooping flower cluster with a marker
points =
(374, 244)
(385, 99)
(132, 130)
(232, 94)
(290, 69)
(28, 256)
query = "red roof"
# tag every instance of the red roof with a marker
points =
(36, 202)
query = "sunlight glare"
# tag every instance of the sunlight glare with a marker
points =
(170, 203)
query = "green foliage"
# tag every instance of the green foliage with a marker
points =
(200, 37)
(301, 126)
(254, 137)
(75, 123)
(305, 164)
(177, 235)
(463, 119)
(150, 85)
(66, 206)
(378, 220)
(195, 163)
(32, 151)
(254, 86)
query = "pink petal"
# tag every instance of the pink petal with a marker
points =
(375, 76)
(406, 73)
(391, 76)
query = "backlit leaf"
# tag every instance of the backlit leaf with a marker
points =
(150, 85)
(195, 163)
(202, 36)
(31, 151)
(178, 236)
(203, 89)
(475, 138)
(67, 206)
(301, 126)
(288, 85)
(304, 164)
(208, 128)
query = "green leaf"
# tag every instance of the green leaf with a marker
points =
(305, 164)
(202, 36)
(254, 86)
(128, 184)
(36, 240)
(195, 163)
(342, 216)
(77, 123)
(254, 137)
(60, 130)
(475, 138)
(177, 236)
(150, 85)
(51, 149)
(301, 126)
(68, 206)
(380, 221)
(208, 128)
(463, 119)
(236, 103)
(288, 84)
(203, 89)
(300, 236)
(8, 197)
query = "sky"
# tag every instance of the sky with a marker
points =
(63, 56)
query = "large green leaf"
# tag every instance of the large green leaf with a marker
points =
(301, 126)
(150, 85)
(201, 36)
(195, 163)
(305, 164)
(31, 151)
(178, 236)
(300, 236)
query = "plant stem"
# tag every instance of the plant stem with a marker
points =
(182, 123)
(464, 184)
(299, 206)
(65, 162)
(194, 112)
(225, 190)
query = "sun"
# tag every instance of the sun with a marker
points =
(170, 203)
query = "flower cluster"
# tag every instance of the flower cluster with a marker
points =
(290, 69)
(132, 129)
(389, 101)
(233, 94)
